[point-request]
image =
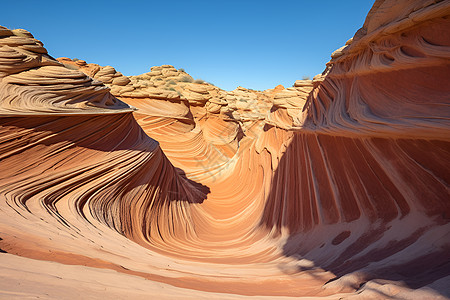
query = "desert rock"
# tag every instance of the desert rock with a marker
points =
(156, 184)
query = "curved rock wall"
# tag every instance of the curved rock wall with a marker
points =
(337, 187)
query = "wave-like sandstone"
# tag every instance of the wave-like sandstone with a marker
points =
(163, 186)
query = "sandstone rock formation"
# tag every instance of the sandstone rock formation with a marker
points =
(165, 186)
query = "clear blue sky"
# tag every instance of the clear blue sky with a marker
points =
(255, 44)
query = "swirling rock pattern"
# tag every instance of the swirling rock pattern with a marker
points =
(336, 188)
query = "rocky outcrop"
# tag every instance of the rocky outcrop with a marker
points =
(336, 187)
(34, 83)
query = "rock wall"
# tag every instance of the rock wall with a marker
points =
(337, 187)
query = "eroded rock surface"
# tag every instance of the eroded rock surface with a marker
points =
(337, 187)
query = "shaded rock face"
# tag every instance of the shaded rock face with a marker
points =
(337, 187)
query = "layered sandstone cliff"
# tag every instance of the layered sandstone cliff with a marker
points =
(159, 184)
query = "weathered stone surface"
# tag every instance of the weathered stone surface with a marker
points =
(336, 188)
(122, 80)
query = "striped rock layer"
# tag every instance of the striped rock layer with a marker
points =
(161, 185)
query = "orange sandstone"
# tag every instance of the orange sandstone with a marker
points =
(157, 185)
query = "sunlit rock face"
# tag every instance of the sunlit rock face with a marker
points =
(163, 186)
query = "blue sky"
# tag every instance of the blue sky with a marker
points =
(254, 44)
